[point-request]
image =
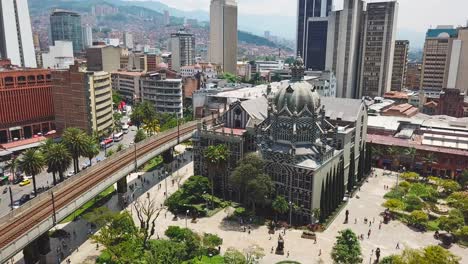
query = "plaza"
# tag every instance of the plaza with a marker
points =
(365, 203)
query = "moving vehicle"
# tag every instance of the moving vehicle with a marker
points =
(25, 182)
(125, 129)
(85, 165)
(21, 201)
(17, 180)
(107, 143)
(27, 177)
(118, 137)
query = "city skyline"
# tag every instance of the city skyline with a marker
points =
(431, 12)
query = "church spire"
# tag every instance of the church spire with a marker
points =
(297, 69)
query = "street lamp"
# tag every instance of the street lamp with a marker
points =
(54, 217)
(136, 165)
(186, 217)
(290, 213)
(11, 197)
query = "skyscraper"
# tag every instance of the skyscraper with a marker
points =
(312, 27)
(457, 75)
(87, 36)
(128, 40)
(183, 49)
(400, 65)
(223, 34)
(16, 38)
(436, 59)
(66, 25)
(343, 46)
(377, 48)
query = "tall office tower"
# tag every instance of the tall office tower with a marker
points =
(343, 47)
(128, 40)
(183, 49)
(87, 36)
(377, 48)
(312, 27)
(223, 34)
(437, 49)
(16, 38)
(167, 18)
(66, 25)
(457, 77)
(400, 65)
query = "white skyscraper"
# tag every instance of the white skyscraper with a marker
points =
(223, 34)
(128, 40)
(16, 40)
(87, 36)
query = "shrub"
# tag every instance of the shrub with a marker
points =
(405, 184)
(395, 193)
(462, 234)
(410, 176)
(433, 225)
(423, 191)
(418, 218)
(412, 203)
(394, 204)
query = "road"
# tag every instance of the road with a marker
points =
(45, 179)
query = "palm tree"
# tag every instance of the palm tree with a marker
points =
(13, 164)
(58, 159)
(32, 163)
(411, 152)
(215, 155)
(394, 153)
(76, 141)
(91, 150)
(152, 126)
(117, 123)
(377, 152)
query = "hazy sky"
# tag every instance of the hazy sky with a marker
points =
(415, 15)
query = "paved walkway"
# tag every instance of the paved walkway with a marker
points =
(303, 250)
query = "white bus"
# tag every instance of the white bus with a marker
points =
(118, 137)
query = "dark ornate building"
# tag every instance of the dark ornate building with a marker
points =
(314, 148)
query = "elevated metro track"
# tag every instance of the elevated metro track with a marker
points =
(21, 226)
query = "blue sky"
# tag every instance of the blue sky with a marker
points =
(415, 15)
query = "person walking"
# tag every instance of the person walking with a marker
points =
(377, 254)
(368, 234)
(398, 245)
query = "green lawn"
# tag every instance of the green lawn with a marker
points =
(152, 164)
(98, 201)
(207, 260)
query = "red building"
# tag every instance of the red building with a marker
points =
(26, 104)
(452, 103)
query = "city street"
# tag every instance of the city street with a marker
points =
(45, 179)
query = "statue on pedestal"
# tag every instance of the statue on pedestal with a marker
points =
(280, 247)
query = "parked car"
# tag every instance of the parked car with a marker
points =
(17, 180)
(21, 201)
(27, 177)
(85, 165)
(70, 173)
(25, 182)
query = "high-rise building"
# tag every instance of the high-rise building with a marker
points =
(16, 38)
(26, 106)
(457, 77)
(413, 76)
(164, 93)
(83, 99)
(182, 46)
(167, 18)
(66, 25)
(223, 34)
(342, 54)
(400, 64)
(128, 40)
(437, 49)
(312, 28)
(87, 36)
(377, 48)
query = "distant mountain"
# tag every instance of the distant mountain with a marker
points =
(283, 26)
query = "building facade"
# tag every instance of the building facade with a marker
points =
(87, 36)
(223, 34)
(83, 99)
(128, 40)
(59, 56)
(451, 103)
(377, 48)
(343, 47)
(165, 94)
(413, 76)
(26, 106)
(66, 25)
(400, 63)
(183, 49)
(127, 83)
(312, 30)
(16, 38)
(103, 58)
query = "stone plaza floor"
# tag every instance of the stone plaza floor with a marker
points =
(302, 250)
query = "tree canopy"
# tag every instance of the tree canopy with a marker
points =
(347, 249)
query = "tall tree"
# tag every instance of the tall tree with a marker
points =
(411, 153)
(429, 160)
(248, 168)
(280, 205)
(58, 160)
(139, 136)
(147, 214)
(394, 152)
(32, 162)
(152, 127)
(76, 141)
(91, 150)
(346, 249)
(216, 156)
(259, 190)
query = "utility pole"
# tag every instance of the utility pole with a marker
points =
(54, 217)
(11, 197)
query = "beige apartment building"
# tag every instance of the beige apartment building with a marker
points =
(223, 34)
(400, 65)
(103, 58)
(127, 83)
